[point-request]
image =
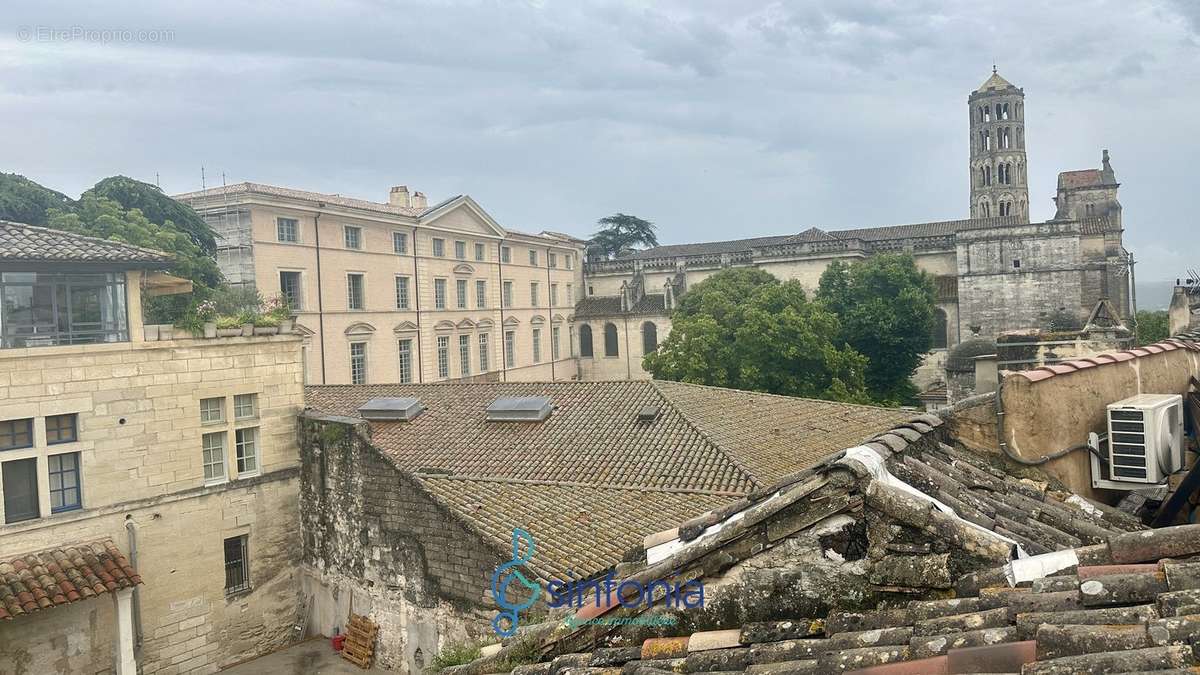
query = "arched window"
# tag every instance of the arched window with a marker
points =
(982, 177)
(940, 339)
(998, 111)
(585, 341)
(649, 337)
(987, 175)
(610, 340)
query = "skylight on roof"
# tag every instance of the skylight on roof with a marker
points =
(519, 409)
(394, 408)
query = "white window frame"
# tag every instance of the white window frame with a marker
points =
(362, 357)
(443, 356)
(347, 231)
(404, 360)
(464, 355)
(510, 349)
(506, 294)
(207, 458)
(402, 291)
(555, 334)
(537, 345)
(400, 238)
(439, 247)
(439, 293)
(362, 291)
(298, 305)
(460, 293)
(506, 254)
(480, 294)
(241, 443)
(480, 251)
(205, 416)
(295, 224)
(533, 294)
(460, 249)
(240, 404)
(484, 348)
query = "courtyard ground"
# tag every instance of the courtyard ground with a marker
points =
(311, 657)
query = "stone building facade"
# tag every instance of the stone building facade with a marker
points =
(402, 291)
(182, 453)
(994, 272)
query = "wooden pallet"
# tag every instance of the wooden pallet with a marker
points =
(359, 646)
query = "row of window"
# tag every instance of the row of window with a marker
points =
(242, 427)
(1005, 207)
(290, 287)
(1004, 174)
(462, 350)
(1001, 112)
(287, 230)
(611, 342)
(1003, 139)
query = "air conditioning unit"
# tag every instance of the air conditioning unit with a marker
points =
(1145, 442)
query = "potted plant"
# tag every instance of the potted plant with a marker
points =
(265, 325)
(229, 326)
(150, 331)
(166, 331)
(246, 319)
(206, 314)
(278, 309)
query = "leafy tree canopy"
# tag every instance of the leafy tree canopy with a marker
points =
(886, 306)
(156, 207)
(620, 232)
(24, 201)
(1152, 326)
(745, 329)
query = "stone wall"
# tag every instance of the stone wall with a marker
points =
(627, 365)
(139, 444)
(376, 540)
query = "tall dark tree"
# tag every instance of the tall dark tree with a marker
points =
(156, 207)
(24, 201)
(620, 232)
(745, 329)
(886, 307)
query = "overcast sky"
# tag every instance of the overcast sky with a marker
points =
(713, 118)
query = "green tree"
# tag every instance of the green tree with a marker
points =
(24, 201)
(886, 307)
(745, 329)
(106, 219)
(156, 207)
(1151, 326)
(619, 232)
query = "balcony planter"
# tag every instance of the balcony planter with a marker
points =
(285, 326)
(266, 330)
(247, 329)
(150, 331)
(229, 332)
(166, 332)
(210, 329)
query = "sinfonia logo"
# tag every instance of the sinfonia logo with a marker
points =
(604, 591)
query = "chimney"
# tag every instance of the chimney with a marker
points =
(419, 201)
(399, 196)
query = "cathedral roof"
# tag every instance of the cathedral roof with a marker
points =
(1079, 179)
(994, 82)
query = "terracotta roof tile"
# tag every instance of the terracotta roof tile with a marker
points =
(20, 242)
(60, 576)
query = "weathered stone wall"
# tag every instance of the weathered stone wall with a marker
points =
(627, 365)
(139, 444)
(372, 533)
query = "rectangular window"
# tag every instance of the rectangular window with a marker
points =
(537, 345)
(533, 257)
(399, 243)
(570, 261)
(483, 352)
(480, 251)
(354, 291)
(533, 294)
(237, 565)
(406, 361)
(61, 429)
(246, 448)
(553, 295)
(40, 310)
(20, 490)
(480, 294)
(552, 261)
(439, 294)
(358, 363)
(508, 294)
(287, 229)
(505, 254)
(554, 334)
(353, 236)
(460, 288)
(510, 348)
(16, 434)
(212, 410)
(245, 406)
(289, 288)
(214, 457)
(460, 250)
(464, 355)
(443, 356)
(571, 339)
(401, 292)
(570, 294)
(64, 482)
(439, 248)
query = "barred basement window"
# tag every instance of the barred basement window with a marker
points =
(443, 356)
(464, 355)
(237, 565)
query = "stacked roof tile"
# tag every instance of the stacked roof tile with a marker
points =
(1107, 358)
(61, 576)
(594, 462)
(27, 243)
(978, 570)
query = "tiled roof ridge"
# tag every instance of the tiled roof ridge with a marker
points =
(729, 455)
(432, 475)
(806, 399)
(153, 255)
(1188, 341)
(61, 575)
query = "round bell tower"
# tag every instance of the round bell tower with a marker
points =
(998, 168)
